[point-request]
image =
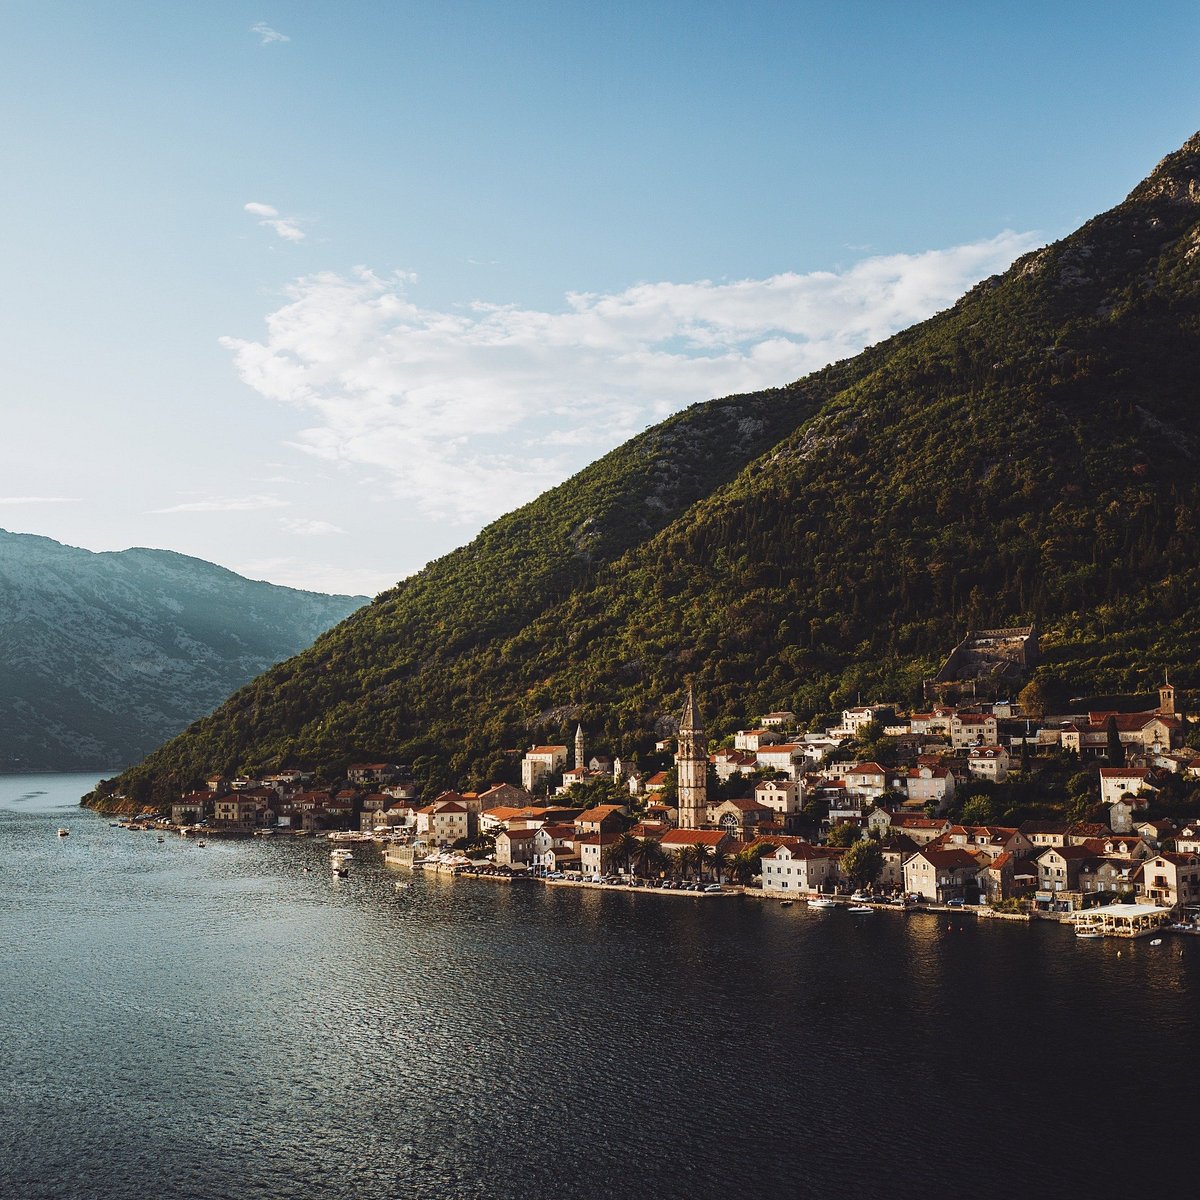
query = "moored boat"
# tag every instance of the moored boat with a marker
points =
(64, 833)
(821, 902)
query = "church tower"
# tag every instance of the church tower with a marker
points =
(691, 767)
(1166, 698)
(579, 747)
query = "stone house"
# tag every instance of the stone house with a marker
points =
(941, 875)
(1147, 732)
(728, 763)
(785, 758)
(798, 867)
(540, 762)
(921, 829)
(516, 847)
(192, 808)
(753, 739)
(1059, 866)
(926, 784)
(362, 773)
(1104, 874)
(866, 780)
(443, 822)
(988, 762)
(504, 795)
(784, 797)
(997, 878)
(1169, 879)
(973, 729)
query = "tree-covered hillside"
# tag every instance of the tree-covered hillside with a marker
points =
(1031, 453)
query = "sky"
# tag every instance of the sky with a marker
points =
(315, 291)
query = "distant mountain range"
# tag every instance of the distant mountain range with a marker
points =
(1031, 454)
(105, 656)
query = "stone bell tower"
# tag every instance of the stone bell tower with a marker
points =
(579, 746)
(1166, 698)
(691, 767)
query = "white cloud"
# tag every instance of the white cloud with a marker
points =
(231, 504)
(470, 413)
(318, 577)
(267, 34)
(39, 499)
(307, 528)
(287, 228)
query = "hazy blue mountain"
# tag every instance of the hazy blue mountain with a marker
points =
(104, 656)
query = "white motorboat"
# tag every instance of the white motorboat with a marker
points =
(822, 902)
(860, 908)
(64, 833)
(1084, 932)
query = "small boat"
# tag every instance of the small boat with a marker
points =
(161, 839)
(201, 843)
(400, 887)
(786, 903)
(821, 902)
(1156, 941)
(860, 908)
(1084, 932)
(64, 833)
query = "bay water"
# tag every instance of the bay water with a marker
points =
(232, 1021)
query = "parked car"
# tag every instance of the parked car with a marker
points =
(713, 887)
(957, 902)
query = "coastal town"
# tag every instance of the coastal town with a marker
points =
(786, 812)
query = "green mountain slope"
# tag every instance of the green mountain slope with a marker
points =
(1031, 453)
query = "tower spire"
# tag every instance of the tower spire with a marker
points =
(579, 746)
(691, 767)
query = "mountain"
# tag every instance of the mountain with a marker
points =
(1030, 454)
(103, 656)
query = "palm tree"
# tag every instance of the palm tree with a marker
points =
(624, 849)
(718, 863)
(747, 863)
(686, 860)
(650, 858)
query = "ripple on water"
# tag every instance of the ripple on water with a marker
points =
(178, 1022)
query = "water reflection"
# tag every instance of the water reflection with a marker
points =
(218, 1022)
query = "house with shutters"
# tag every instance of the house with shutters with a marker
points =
(928, 784)
(941, 874)
(794, 867)
(516, 847)
(1170, 879)
(972, 729)
(988, 762)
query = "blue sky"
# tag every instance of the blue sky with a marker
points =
(315, 290)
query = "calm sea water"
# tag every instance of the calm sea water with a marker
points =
(203, 1023)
